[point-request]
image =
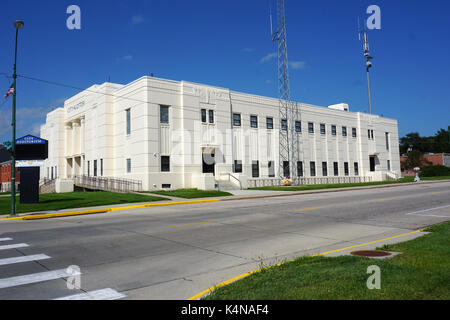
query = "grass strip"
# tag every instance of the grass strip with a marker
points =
(420, 272)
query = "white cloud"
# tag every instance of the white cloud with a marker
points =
(137, 19)
(125, 58)
(268, 57)
(297, 65)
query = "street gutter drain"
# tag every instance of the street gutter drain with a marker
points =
(371, 253)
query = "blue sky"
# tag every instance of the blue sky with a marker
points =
(227, 43)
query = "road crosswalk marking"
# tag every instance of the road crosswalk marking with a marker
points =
(13, 246)
(23, 259)
(104, 294)
(36, 277)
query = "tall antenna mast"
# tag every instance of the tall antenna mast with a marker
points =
(289, 143)
(368, 57)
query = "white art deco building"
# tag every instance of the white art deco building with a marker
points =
(178, 134)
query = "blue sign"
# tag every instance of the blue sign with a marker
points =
(30, 140)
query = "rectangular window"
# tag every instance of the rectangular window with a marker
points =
(56, 172)
(371, 134)
(89, 168)
(284, 125)
(298, 126)
(387, 140)
(271, 169)
(333, 130)
(236, 119)
(312, 168)
(355, 165)
(165, 164)
(254, 121)
(95, 168)
(101, 167)
(354, 132)
(48, 173)
(128, 165)
(269, 123)
(368, 134)
(389, 165)
(286, 171)
(237, 166)
(255, 169)
(322, 128)
(211, 116)
(310, 127)
(128, 116)
(336, 168)
(344, 131)
(300, 168)
(346, 168)
(164, 114)
(324, 169)
(203, 115)
(52, 173)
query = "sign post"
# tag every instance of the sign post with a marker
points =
(31, 152)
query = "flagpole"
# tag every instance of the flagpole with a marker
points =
(18, 25)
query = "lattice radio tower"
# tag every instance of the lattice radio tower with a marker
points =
(289, 143)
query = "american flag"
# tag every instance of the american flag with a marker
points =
(10, 91)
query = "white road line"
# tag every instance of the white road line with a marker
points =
(104, 294)
(23, 259)
(13, 246)
(415, 213)
(36, 277)
(5, 239)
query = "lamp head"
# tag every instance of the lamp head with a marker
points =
(18, 24)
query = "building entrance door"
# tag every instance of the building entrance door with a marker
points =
(209, 161)
(372, 163)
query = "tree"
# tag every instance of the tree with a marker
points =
(439, 143)
(415, 159)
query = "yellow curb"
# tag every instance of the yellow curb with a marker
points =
(204, 292)
(64, 214)
(76, 213)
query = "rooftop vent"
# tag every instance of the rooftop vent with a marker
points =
(339, 106)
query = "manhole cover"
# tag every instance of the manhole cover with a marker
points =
(371, 253)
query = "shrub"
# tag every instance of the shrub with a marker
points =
(435, 171)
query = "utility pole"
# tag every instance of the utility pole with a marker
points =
(18, 25)
(368, 58)
(289, 145)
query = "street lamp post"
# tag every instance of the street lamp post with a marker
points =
(18, 25)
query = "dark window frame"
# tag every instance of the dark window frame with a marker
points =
(164, 117)
(237, 120)
(253, 121)
(165, 163)
(269, 124)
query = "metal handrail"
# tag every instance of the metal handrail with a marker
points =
(232, 176)
(108, 184)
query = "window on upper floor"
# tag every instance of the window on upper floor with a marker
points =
(254, 121)
(236, 119)
(269, 123)
(164, 114)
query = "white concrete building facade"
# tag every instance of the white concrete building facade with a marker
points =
(178, 134)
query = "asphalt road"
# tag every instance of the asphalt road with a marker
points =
(176, 252)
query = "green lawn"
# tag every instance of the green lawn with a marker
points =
(422, 271)
(193, 193)
(60, 201)
(344, 185)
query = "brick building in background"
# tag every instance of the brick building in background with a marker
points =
(433, 158)
(5, 170)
